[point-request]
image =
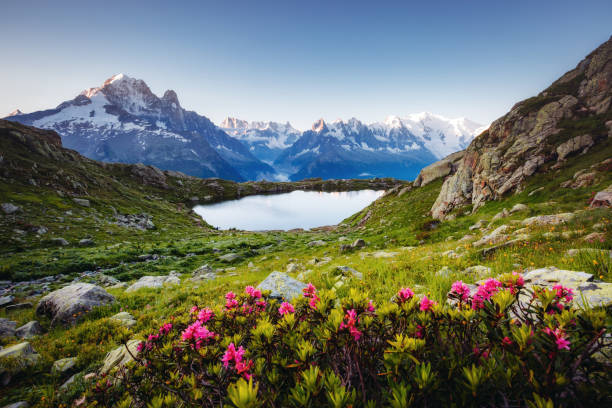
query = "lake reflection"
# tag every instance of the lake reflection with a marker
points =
(298, 209)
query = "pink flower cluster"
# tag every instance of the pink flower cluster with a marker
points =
(152, 338)
(560, 338)
(205, 314)
(371, 307)
(461, 290)
(564, 294)
(252, 292)
(286, 308)
(199, 333)
(311, 292)
(404, 295)
(485, 292)
(351, 320)
(230, 300)
(426, 304)
(236, 356)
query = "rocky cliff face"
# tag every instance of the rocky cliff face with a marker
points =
(571, 116)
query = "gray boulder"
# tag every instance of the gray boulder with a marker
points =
(120, 356)
(316, 243)
(556, 275)
(64, 364)
(439, 169)
(495, 237)
(86, 242)
(573, 145)
(6, 300)
(59, 241)
(29, 330)
(82, 201)
(66, 304)
(9, 208)
(477, 271)
(22, 354)
(603, 199)
(19, 404)
(7, 328)
(282, 286)
(154, 282)
(124, 319)
(348, 271)
(554, 219)
(518, 208)
(231, 257)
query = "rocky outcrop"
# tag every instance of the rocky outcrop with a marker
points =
(17, 358)
(535, 132)
(120, 356)
(29, 330)
(65, 305)
(439, 169)
(7, 328)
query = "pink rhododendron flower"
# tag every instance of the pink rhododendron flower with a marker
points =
(254, 293)
(351, 321)
(194, 310)
(311, 292)
(461, 289)
(235, 355)
(564, 294)
(560, 338)
(165, 329)
(205, 314)
(197, 332)
(286, 308)
(485, 292)
(506, 341)
(404, 294)
(371, 307)
(426, 304)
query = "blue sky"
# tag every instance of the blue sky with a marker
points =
(298, 61)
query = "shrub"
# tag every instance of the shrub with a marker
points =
(501, 345)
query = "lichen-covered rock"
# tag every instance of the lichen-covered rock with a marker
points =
(231, 257)
(496, 236)
(29, 330)
(439, 169)
(477, 271)
(10, 208)
(120, 356)
(556, 275)
(124, 319)
(348, 271)
(282, 285)
(554, 219)
(603, 199)
(64, 364)
(316, 243)
(573, 145)
(518, 208)
(65, 305)
(154, 282)
(82, 202)
(21, 356)
(7, 328)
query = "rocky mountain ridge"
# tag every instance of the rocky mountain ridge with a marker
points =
(570, 117)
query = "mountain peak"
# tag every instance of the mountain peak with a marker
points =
(14, 113)
(319, 126)
(171, 97)
(115, 78)
(234, 123)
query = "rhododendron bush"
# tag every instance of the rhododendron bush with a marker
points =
(503, 345)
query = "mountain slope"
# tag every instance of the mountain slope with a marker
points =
(570, 117)
(124, 121)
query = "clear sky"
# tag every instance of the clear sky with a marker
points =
(298, 61)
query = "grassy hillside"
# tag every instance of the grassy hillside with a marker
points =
(404, 247)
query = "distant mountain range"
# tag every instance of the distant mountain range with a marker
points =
(123, 121)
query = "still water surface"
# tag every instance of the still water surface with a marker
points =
(298, 209)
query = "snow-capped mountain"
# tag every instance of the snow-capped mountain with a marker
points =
(266, 140)
(14, 113)
(123, 121)
(397, 147)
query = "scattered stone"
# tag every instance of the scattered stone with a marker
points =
(66, 304)
(63, 365)
(348, 271)
(554, 219)
(603, 199)
(29, 330)
(59, 241)
(592, 237)
(502, 214)
(106, 280)
(451, 254)
(478, 225)
(7, 328)
(231, 257)
(518, 208)
(124, 319)
(445, 272)
(23, 354)
(589, 251)
(537, 190)
(319, 261)
(498, 235)
(439, 169)
(282, 285)
(292, 267)
(120, 356)
(19, 306)
(358, 243)
(6, 300)
(140, 222)
(86, 242)
(466, 237)
(82, 201)
(10, 208)
(477, 271)
(154, 282)
(316, 243)
(404, 191)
